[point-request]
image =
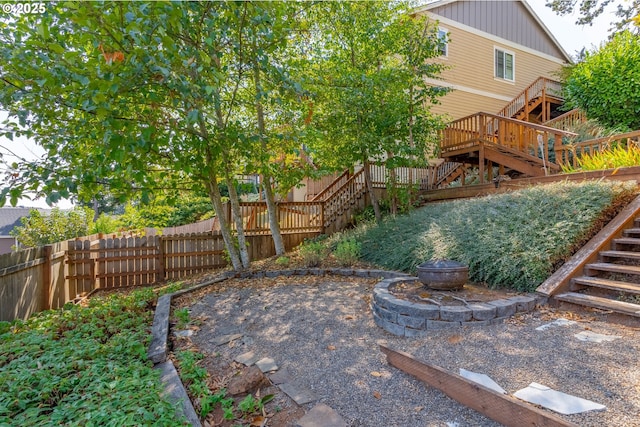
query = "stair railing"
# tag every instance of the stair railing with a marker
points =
(568, 120)
(569, 154)
(331, 188)
(515, 135)
(539, 88)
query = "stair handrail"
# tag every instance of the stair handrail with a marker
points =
(332, 203)
(567, 120)
(328, 190)
(443, 170)
(569, 153)
(541, 86)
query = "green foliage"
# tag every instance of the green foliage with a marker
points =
(105, 224)
(347, 252)
(619, 156)
(40, 229)
(282, 261)
(312, 253)
(182, 314)
(606, 84)
(194, 378)
(511, 240)
(83, 366)
(588, 10)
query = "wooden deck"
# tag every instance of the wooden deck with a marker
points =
(488, 140)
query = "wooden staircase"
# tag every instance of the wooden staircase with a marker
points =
(613, 283)
(605, 273)
(537, 103)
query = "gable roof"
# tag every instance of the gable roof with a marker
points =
(531, 33)
(10, 218)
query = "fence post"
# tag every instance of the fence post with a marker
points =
(160, 268)
(46, 278)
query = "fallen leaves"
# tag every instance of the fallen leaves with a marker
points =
(376, 374)
(377, 395)
(454, 339)
(331, 347)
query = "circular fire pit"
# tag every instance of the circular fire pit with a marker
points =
(443, 274)
(416, 319)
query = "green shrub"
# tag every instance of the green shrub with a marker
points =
(312, 253)
(282, 261)
(617, 157)
(512, 240)
(83, 366)
(347, 252)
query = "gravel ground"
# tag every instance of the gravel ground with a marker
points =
(321, 330)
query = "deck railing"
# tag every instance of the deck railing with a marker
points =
(514, 134)
(568, 120)
(542, 87)
(569, 154)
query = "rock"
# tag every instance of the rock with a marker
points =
(250, 379)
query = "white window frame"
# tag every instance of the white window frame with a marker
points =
(504, 52)
(443, 34)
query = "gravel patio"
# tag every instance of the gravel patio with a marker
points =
(320, 331)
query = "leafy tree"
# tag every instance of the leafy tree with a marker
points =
(137, 98)
(606, 84)
(41, 229)
(627, 12)
(374, 105)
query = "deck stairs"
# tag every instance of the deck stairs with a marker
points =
(613, 282)
(605, 273)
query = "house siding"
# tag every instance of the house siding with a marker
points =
(471, 69)
(506, 19)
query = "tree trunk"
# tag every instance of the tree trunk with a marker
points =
(372, 194)
(237, 213)
(272, 209)
(216, 199)
(393, 192)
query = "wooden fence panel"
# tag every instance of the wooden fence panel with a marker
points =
(59, 270)
(21, 284)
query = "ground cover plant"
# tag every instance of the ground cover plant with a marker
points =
(83, 366)
(512, 240)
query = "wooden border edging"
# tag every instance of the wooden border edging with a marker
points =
(502, 408)
(560, 280)
(174, 390)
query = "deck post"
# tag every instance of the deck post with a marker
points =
(481, 162)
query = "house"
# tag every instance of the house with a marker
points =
(9, 219)
(494, 50)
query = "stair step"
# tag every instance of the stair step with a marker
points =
(626, 241)
(631, 232)
(621, 307)
(612, 268)
(613, 285)
(635, 256)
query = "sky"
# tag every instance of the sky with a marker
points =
(572, 38)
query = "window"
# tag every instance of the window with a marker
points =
(443, 40)
(504, 65)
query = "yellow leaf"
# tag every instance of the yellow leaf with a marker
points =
(376, 374)
(331, 347)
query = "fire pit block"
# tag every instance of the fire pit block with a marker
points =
(443, 274)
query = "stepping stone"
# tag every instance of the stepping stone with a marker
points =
(482, 379)
(280, 377)
(298, 393)
(589, 336)
(248, 358)
(183, 334)
(223, 339)
(558, 322)
(267, 364)
(557, 401)
(321, 415)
